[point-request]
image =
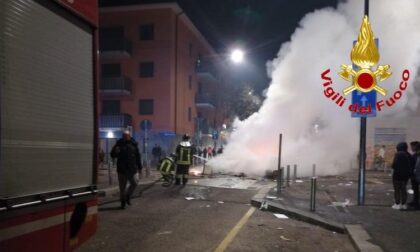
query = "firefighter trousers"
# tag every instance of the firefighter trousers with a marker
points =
(182, 174)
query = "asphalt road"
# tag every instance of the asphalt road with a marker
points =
(217, 219)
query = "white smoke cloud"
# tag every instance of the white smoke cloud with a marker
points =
(314, 129)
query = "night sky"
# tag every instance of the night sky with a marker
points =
(258, 26)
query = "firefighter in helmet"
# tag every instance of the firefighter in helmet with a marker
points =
(167, 169)
(184, 155)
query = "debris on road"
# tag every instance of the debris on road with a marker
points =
(271, 197)
(341, 204)
(189, 198)
(284, 238)
(264, 205)
(165, 233)
(281, 216)
(207, 205)
(279, 228)
(299, 181)
(220, 202)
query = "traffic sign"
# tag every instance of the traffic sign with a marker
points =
(145, 125)
(363, 104)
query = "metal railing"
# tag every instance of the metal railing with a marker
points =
(115, 45)
(115, 121)
(116, 85)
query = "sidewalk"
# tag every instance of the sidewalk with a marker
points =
(336, 202)
(108, 181)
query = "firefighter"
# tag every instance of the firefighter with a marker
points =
(184, 154)
(167, 169)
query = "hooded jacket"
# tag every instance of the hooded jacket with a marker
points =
(128, 156)
(402, 164)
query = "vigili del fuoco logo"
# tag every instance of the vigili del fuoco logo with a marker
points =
(364, 78)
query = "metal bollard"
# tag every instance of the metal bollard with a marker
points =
(279, 181)
(282, 177)
(313, 194)
(294, 173)
(314, 170)
(288, 176)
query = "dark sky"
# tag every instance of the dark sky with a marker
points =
(258, 26)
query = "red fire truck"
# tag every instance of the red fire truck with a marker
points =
(48, 118)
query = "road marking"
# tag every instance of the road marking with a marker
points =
(234, 231)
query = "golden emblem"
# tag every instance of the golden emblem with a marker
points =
(365, 54)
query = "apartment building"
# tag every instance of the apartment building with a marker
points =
(159, 77)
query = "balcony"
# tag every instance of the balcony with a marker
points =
(115, 86)
(115, 48)
(115, 121)
(206, 71)
(205, 101)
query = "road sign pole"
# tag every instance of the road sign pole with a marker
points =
(362, 149)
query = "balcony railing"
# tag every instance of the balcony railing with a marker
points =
(115, 86)
(205, 69)
(203, 100)
(114, 47)
(115, 121)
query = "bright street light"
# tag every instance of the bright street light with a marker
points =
(237, 56)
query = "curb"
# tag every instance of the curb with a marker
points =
(358, 235)
(107, 195)
(300, 215)
(360, 239)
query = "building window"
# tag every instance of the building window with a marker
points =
(190, 82)
(147, 32)
(190, 49)
(189, 114)
(200, 88)
(146, 69)
(111, 32)
(110, 107)
(146, 106)
(111, 70)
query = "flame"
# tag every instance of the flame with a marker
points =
(365, 53)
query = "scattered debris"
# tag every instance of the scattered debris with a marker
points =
(279, 228)
(165, 233)
(284, 238)
(207, 205)
(189, 198)
(281, 216)
(299, 181)
(348, 184)
(220, 202)
(264, 205)
(271, 197)
(341, 204)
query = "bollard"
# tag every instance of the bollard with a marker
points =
(313, 170)
(279, 172)
(294, 173)
(282, 177)
(288, 176)
(313, 194)
(280, 180)
(204, 167)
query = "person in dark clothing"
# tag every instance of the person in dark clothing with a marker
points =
(414, 184)
(401, 173)
(128, 157)
(184, 154)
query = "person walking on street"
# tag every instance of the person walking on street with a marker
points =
(128, 157)
(414, 183)
(401, 166)
(184, 154)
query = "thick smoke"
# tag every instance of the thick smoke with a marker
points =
(314, 129)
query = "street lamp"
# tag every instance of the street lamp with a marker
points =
(237, 56)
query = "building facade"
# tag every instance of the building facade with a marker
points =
(159, 77)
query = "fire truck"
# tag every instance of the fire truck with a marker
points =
(48, 118)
